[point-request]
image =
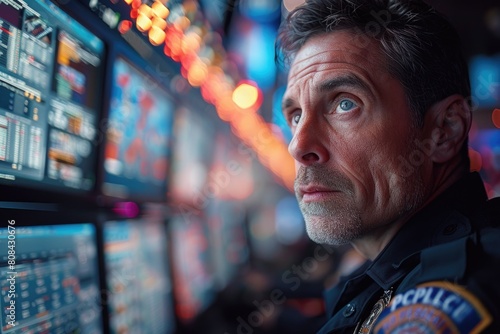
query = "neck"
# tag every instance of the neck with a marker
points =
(372, 244)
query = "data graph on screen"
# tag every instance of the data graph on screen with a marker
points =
(56, 280)
(51, 71)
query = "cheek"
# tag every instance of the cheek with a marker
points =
(375, 167)
(365, 154)
(393, 169)
(357, 160)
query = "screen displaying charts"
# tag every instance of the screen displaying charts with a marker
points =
(54, 282)
(50, 95)
(137, 277)
(138, 136)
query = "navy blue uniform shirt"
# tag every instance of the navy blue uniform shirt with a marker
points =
(441, 270)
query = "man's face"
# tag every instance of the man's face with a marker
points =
(353, 137)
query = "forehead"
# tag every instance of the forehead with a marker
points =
(343, 49)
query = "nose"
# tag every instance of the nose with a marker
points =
(307, 146)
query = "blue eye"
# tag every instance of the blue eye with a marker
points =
(345, 105)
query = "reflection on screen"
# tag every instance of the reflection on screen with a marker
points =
(193, 277)
(50, 70)
(56, 280)
(139, 288)
(138, 135)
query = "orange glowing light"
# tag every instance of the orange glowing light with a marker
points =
(160, 10)
(159, 22)
(246, 125)
(156, 35)
(145, 10)
(124, 26)
(174, 42)
(495, 117)
(176, 57)
(226, 108)
(143, 22)
(191, 42)
(134, 13)
(197, 73)
(188, 60)
(246, 95)
(166, 51)
(136, 4)
(224, 113)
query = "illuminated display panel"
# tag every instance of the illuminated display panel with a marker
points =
(56, 279)
(137, 277)
(138, 136)
(193, 154)
(194, 281)
(230, 248)
(50, 94)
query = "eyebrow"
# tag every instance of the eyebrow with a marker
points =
(348, 80)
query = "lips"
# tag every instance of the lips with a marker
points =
(311, 188)
(310, 192)
(318, 183)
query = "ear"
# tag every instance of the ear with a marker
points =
(448, 123)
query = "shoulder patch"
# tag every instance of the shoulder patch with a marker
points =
(434, 308)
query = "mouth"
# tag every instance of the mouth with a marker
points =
(315, 193)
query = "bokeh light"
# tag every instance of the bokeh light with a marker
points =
(246, 95)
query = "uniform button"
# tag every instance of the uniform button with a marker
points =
(450, 229)
(349, 310)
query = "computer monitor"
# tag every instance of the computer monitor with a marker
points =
(229, 239)
(139, 290)
(194, 280)
(193, 153)
(51, 74)
(138, 132)
(50, 277)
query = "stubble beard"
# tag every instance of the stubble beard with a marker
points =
(330, 222)
(340, 222)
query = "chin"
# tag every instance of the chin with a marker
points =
(328, 231)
